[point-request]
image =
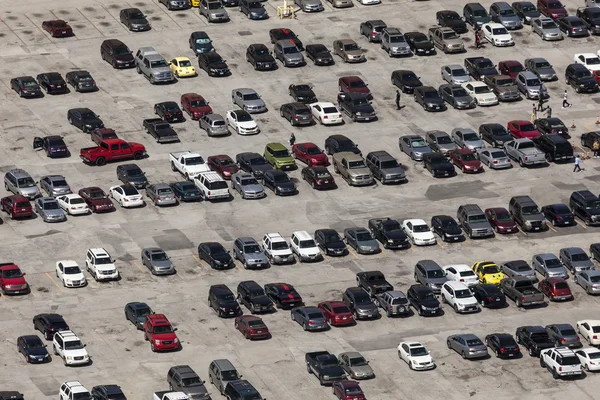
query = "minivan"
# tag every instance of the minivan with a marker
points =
(20, 182)
(117, 54)
(221, 372)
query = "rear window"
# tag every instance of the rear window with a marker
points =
(330, 110)
(23, 204)
(217, 185)
(561, 285)
(569, 360)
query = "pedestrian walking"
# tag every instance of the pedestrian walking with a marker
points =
(533, 114)
(398, 94)
(596, 148)
(540, 105)
(549, 112)
(477, 38)
(577, 165)
(566, 103)
(292, 139)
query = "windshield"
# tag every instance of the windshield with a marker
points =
(479, 13)
(533, 82)
(159, 256)
(363, 236)
(431, 94)
(418, 143)
(504, 82)
(474, 342)
(191, 381)
(205, 40)
(358, 361)
(77, 201)
(399, 301)
(351, 47)
(251, 96)
(322, 174)
(29, 83)
(198, 103)
(158, 64)
(360, 102)
(261, 51)
(254, 248)
(249, 181)
(103, 260)
(134, 172)
(491, 269)
(12, 273)
(481, 89)
(291, 50)
(529, 210)
(72, 270)
(420, 228)
(306, 244)
(503, 216)
(466, 273)
(435, 273)
(353, 391)
(418, 351)
(460, 93)
(243, 117)
(468, 157)
(397, 39)
(477, 218)
(257, 161)
(73, 345)
(313, 151)
(142, 312)
(281, 153)
(81, 396)
(499, 31)
(280, 178)
(34, 343)
(279, 245)
(129, 190)
(420, 39)
(315, 315)
(341, 310)
(391, 227)
(426, 295)
(498, 154)
(470, 137)
(436, 160)
(452, 16)
(579, 257)
(163, 329)
(229, 375)
(361, 299)
(330, 110)
(356, 164)
(549, 25)
(50, 205)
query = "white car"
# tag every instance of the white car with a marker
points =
(69, 347)
(461, 273)
(127, 196)
(415, 355)
(590, 60)
(459, 296)
(497, 34)
(369, 2)
(242, 122)
(418, 232)
(304, 247)
(590, 358)
(70, 274)
(101, 265)
(73, 204)
(326, 113)
(590, 330)
(481, 93)
(73, 390)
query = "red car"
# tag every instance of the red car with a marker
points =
(556, 289)
(57, 28)
(353, 84)
(551, 8)
(522, 129)
(223, 165)
(348, 390)
(336, 313)
(195, 105)
(252, 327)
(12, 280)
(465, 160)
(501, 220)
(318, 178)
(310, 154)
(16, 206)
(96, 199)
(596, 75)
(159, 332)
(510, 68)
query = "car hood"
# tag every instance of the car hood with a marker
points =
(546, 71)
(201, 109)
(362, 369)
(455, 23)
(247, 124)
(474, 143)
(162, 264)
(100, 202)
(257, 10)
(252, 188)
(480, 225)
(437, 281)
(583, 264)
(56, 212)
(196, 391)
(423, 235)
(446, 166)
(506, 224)
(509, 18)
(335, 245)
(124, 57)
(262, 167)
(353, 52)
(40, 351)
(75, 277)
(229, 304)
(139, 21)
(76, 353)
(14, 281)
(433, 100)
(164, 336)
(367, 307)
(254, 103)
(217, 65)
(137, 179)
(587, 81)
(431, 303)
(412, 82)
(422, 150)
(323, 54)
(532, 14)
(478, 348)
(204, 47)
(366, 109)
(286, 185)
(452, 230)
(447, 146)
(94, 122)
(424, 46)
(264, 58)
(367, 243)
(494, 277)
(392, 171)
(222, 257)
(506, 89)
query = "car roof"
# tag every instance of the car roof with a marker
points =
(456, 285)
(376, 22)
(335, 303)
(458, 267)
(429, 264)
(276, 146)
(346, 41)
(137, 304)
(573, 250)
(416, 221)
(250, 285)
(348, 156)
(310, 309)
(302, 235)
(245, 90)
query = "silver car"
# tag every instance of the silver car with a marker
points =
(494, 158)
(440, 141)
(311, 318)
(542, 68)
(214, 125)
(518, 269)
(466, 137)
(355, 365)
(455, 74)
(549, 266)
(504, 14)
(249, 253)
(467, 345)
(248, 100)
(213, 10)
(341, 3)
(49, 210)
(247, 185)
(55, 185)
(309, 5)
(161, 194)
(288, 53)
(589, 280)
(575, 259)
(157, 261)
(415, 146)
(546, 29)
(18, 181)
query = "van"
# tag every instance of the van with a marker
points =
(20, 182)
(117, 54)
(474, 222)
(212, 186)
(221, 372)
(526, 213)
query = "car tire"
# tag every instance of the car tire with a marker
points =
(100, 161)
(410, 365)
(497, 353)
(542, 363)
(555, 374)
(518, 303)
(152, 347)
(304, 327)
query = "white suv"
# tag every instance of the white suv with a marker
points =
(73, 390)
(459, 296)
(561, 361)
(277, 249)
(70, 274)
(461, 273)
(304, 247)
(68, 346)
(212, 186)
(101, 265)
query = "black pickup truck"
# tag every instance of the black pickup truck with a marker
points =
(534, 339)
(478, 67)
(160, 130)
(325, 366)
(389, 232)
(373, 282)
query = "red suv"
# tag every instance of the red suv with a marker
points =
(501, 220)
(522, 129)
(336, 313)
(465, 160)
(252, 327)
(353, 84)
(556, 289)
(195, 105)
(16, 206)
(159, 332)
(551, 8)
(12, 280)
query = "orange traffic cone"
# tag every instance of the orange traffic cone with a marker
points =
(597, 120)
(573, 125)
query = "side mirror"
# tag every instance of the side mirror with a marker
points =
(112, 260)
(208, 102)
(24, 273)
(85, 345)
(174, 329)
(241, 376)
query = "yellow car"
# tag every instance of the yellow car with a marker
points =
(182, 67)
(488, 272)
(194, 3)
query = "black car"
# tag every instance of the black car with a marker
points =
(330, 242)
(200, 42)
(134, 20)
(495, 134)
(284, 33)
(534, 339)
(49, 324)
(136, 313)
(447, 228)
(588, 139)
(213, 64)
(451, 19)
(357, 106)
(419, 43)
(33, 349)
(283, 295)
(84, 119)
(26, 86)
(279, 182)
(302, 93)
(186, 191)
(160, 130)
(422, 299)
(591, 18)
(389, 232)
(319, 54)
(339, 143)
(54, 146)
(117, 54)
(438, 165)
(595, 251)
(253, 9)
(573, 26)
(260, 57)
(252, 295)
(489, 295)
(429, 98)
(132, 174)
(108, 392)
(406, 80)
(558, 214)
(52, 83)
(215, 255)
(526, 11)
(222, 300)
(169, 111)
(82, 81)
(253, 162)
(231, 3)
(296, 113)
(503, 345)
(551, 125)
(556, 147)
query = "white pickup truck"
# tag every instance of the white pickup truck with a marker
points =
(169, 395)
(189, 164)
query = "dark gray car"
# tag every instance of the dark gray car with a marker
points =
(157, 261)
(575, 259)
(440, 141)
(549, 266)
(456, 96)
(360, 303)
(542, 68)
(311, 318)
(518, 269)
(563, 335)
(214, 125)
(249, 253)
(467, 345)
(361, 240)
(133, 175)
(429, 273)
(49, 210)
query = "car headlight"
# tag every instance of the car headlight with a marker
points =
(157, 341)
(423, 307)
(69, 358)
(176, 340)
(325, 376)
(30, 356)
(528, 223)
(390, 241)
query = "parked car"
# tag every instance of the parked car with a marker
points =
(467, 345)
(361, 240)
(318, 178)
(330, 242)
(575, 259)
(589, 281)
(557, 289)
(252, 295)
(252, 327)
(446, 228)
(503, 345)
(310, 318)
(501, 220)
(215, 255)
(563, 335)
(489, 295)
(549, 266)
(416, 356)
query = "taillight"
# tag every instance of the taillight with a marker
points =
(374, 32)
(558, 217)
(495, 161)
(167, 115)
(516, 349)
(325, 117)
(523, 298)
(179, 70)
(462, 280)
(595, 337)
(158, 198)
(208, 193)
(578, 338)
(311, 322)
(339, 115)
(252, 331)
(319, 181)
(564, 340)
(526, 158)
(502, 349)
(574, 29)
(490, 298)
(391, 308)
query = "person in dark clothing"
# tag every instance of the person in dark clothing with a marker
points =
(292, 139)
(398, 94)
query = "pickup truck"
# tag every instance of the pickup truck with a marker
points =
(525, 152)
(446, 39)
(160, 130)
(352, 168)
(169, 395)
(188, 164)
(373, 282)
(534, 339)
(522, 291)
(478, 67)
(112, 150)
(325, 367)
(389, 232)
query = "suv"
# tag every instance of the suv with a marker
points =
(252, 295)
(20, 182)
(288, 53)
(221, 372)
(117, 54)
(304, 247)
(360, 303)
(241, 390)
(68, 346)
(556, 147)
(279, 156)
(222, 300)
(430, 274)
(212, 186)
(385, 167)
(526, 213)
(160, 333)
(529, 84)
(249, 253)
(586, 206)
(153, 66)
(473, 220)
(182, 378)
(101, 265)
(393, 41)
(277, 249)
(459, 296)
(561, 361)
(580, 78)
(475, 14)
(213, 10)
(72, 390)
(340, 143)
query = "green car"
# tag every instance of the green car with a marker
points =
(279, 157)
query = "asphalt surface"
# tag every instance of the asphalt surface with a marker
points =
(276, 367)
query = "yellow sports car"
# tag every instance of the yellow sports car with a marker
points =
(182, 66)
(488, 272)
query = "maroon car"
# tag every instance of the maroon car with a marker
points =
(57, 28)
(195, 105)
(310, 154)
(501, 220)
(353, 84)
(510, 68)
(465, 160)
(348, 390)
(552, 8)
(337, 313)
(223, 165)
(252, 327)
(16, 206)
(318, 178)
(556, 289)
(96, 199)
(100, 134)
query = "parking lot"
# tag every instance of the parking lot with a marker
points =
(276, 366)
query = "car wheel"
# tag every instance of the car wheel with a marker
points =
(463, 355)
(555, 374)
(521, 163)
(54, 350)
(518, 303)
(456, 308)
(410, 365)
(152, 347)
(137, 68)
(530, 351)
(304, 327)
(497, 353)
(542, 363)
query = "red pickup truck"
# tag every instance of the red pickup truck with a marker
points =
(12, 280)
(112, 150)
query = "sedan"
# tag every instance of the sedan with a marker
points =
(26, 86)
(355, 365)
(495, 134)
(573, 26)
(52, 83)
(418, 232)
(310, 318)
(326, 113)
(419, 43)
(310, 5)
(466, 161)
(489, 295)
(361, 240)
(465, 137)
(241, 122)
(107, 392)
(57, 28)
(132, 174)
(161, 194)
(330, 242)
(127, 196)
(406, 80)
(546, 29)
(55, 185)
(494, 158)
(456, 96)
(215, 255)
(54, 146)
(455, 74)
(73, 204)
(520, 129)
(563, 335)
(70, 274)
(503, 345)
(81, 81)
(302, 93)
(337, 313)
(248, 100)
(542, 68)
(185, 191)
(134, 19)
(501, 220)
(213, 64)
(526, 11)
(558, 214)
(551, 125)
(247, 186)
(416, 356)
(589, 358)
(347, 49)
(33, 349)
(447, 228)
(310, 154)
(252, 327)
(414, 146)
(319, 54)
(589, 329)
(575, 259)
(467, 345)
(157, 261)
(589, 281)
(223, 165)
(84, 119)
(440, 141)
(169, 111)
(548, 265)
(518, 269)
(49, 210)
